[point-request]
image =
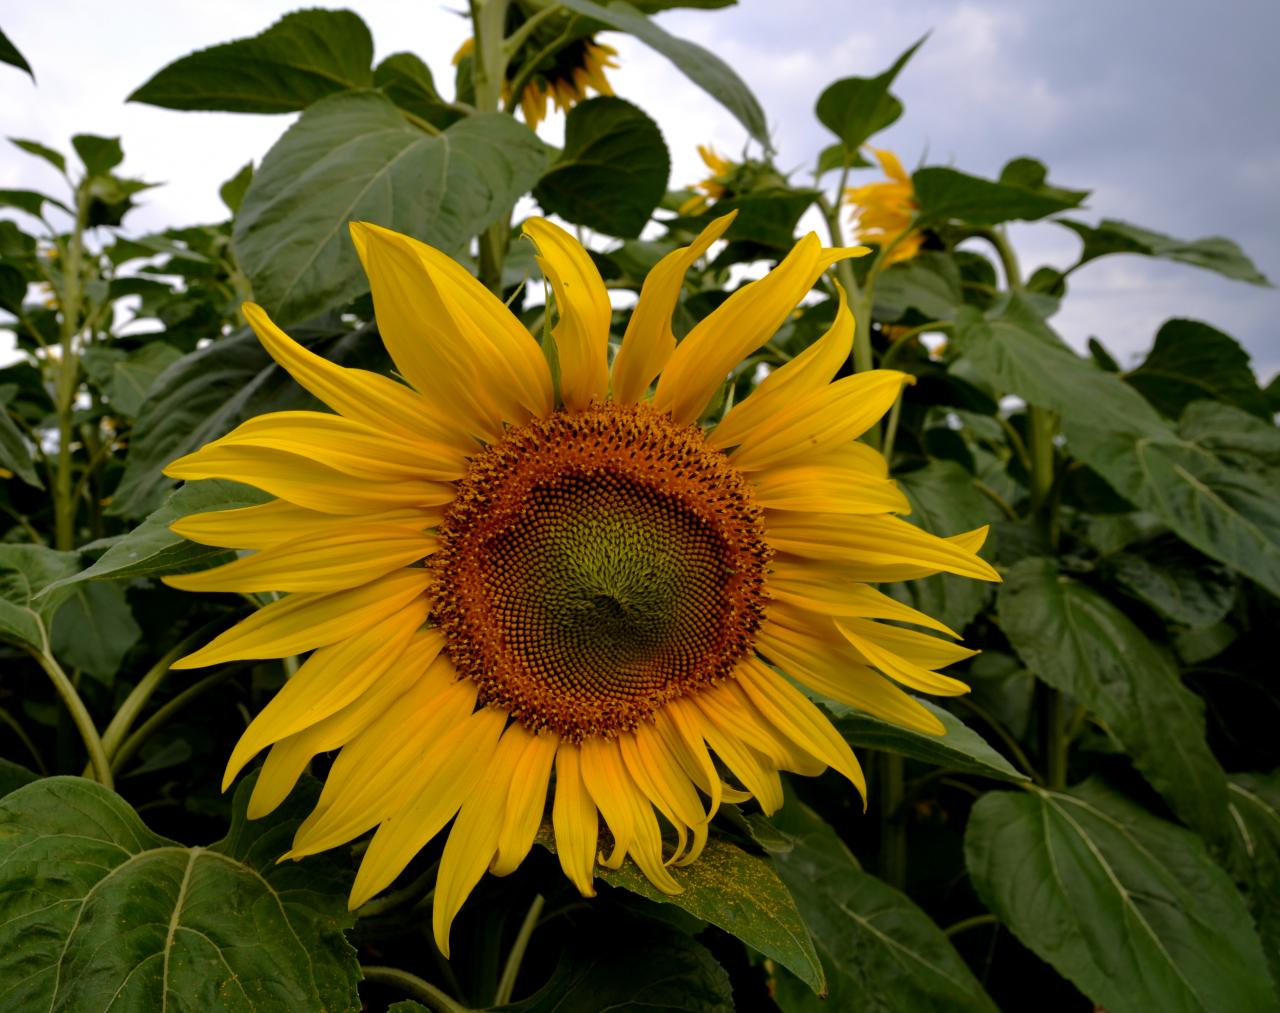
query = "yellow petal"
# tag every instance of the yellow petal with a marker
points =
(730, 710)
(646, 782)
(573, 817)
(268, 524)
(649, 341)
(582, 305)
(756, 773)
(828, 417)
(303, 622)
(794, 714)
(473, 839)
(819, 589)
(738, 327)
(307, 483)
(906, 656)
(334, 561)
(649, 751)
(606, 780)
(526, 800)
(289, 757)
(329, 680)
(890, 164)
(375, 400)
(811, 370)
(443, 780)
(827, 488)
(350, 447)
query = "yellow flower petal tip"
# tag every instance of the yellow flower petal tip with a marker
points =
(458, 553)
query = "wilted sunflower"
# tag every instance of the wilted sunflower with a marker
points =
(504, 571)
(884, 211)
(565, 77)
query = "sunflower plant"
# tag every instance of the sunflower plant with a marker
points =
(553, 588)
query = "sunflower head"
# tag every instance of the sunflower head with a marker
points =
(597, 592)
(883, 212)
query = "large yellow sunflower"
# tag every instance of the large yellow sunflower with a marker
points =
(512, 578)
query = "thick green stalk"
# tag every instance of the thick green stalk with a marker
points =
(79, 715)
(64, 499)
(893, 824)
(488, 67)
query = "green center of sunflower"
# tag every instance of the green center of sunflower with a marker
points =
(597, 564)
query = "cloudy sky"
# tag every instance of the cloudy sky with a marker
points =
(1165, 109)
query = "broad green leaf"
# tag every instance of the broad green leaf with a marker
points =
(15, 452)
(632, 968)
(1254, 803)
(151, 548)
(1213, 253)
(1183, 477)
(1176, 580)
(9, 54)
(100, 912)
(945, 502)
(701, 66)
(99, 154)
(30, 201)
(354, 157)
(94, 629)
(736, 891)
(1239, 440)
(1190, 361)
(855, 108)
(767, 216)
(206, 393)
(407, 81)
(54, 158)
(13, 776)
(928, 283)
(880, 951)
(1078, 642)
(613, 170)
(948, 193)
(961, 748)
(1128, 907)
(25, 572)
(837, 156)
(233, 190)
(132, 376)
(299, 60)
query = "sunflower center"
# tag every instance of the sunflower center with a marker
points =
(597, 564)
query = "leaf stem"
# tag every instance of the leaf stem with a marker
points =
(134, 742)
(426, 993)
(977, 921)
(79, 715)
(511, 970)
(25, 739)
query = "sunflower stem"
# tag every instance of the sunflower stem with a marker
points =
(425, 992)
(98, 761)
(68, 375)
(893, 827)
(488, 68)
(134, 742)
(511, 970)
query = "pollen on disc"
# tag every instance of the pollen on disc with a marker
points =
(596, 565)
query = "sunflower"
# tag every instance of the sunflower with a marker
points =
(564, 79)
(883, 212)
(512, 578)
(713, 187)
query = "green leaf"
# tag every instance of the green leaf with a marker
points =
(945, 502)
(30, 201)
(25, 572)
(632, 968)
(54, 158)
(701, 66)
(960, 748)
(407, 81)
(152, 549)
(947, 193)
(99, 154)
(355, 157)
(1078, 642)
(881, 952)
(613, 170)
(1255, 853)
(1175, 580)
(101, 912)
(299, 60)
(13, 776)
(855, 108)
(233, 190)
(736, 891)
(1191, 360)
(837, 156)
(1213, 253)
(1128, 907)
(9, 54)
(928, 283)
(94, 629)
(15, 451)
(767, 216)
(133, 376)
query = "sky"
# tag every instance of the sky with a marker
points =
(1164, 109)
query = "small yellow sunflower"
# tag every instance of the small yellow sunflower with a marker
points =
(566, 78)
(511, 581)
(713, 187)
(884, 211)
